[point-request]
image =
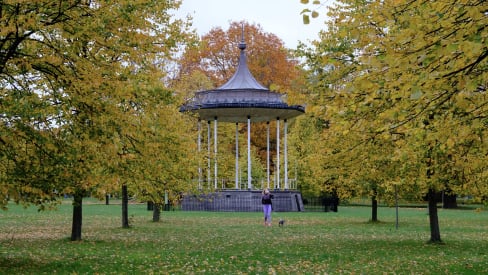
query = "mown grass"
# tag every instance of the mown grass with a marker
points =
(238, 243)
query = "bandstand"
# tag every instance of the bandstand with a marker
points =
(242, 99)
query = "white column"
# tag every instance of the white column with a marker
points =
(209, 156)
(286, 155)
(277, 153)
(199, 144)
(249, 174)
(237, 155)
(267, 151)
(215, 153)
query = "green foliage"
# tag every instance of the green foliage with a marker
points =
(230, 243)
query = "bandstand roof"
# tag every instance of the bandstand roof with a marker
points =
(242, 96)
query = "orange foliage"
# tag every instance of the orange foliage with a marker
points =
(217, 56)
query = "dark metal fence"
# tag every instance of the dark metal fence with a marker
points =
(320, 204)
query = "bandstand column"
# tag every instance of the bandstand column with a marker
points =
(215, 153)
(199, 144)
(286, 154)
(277, 185)
(237, 155)
(249, 176)
(208, 155)
(267, 152)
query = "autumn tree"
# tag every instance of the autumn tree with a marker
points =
(217, 56)
(411, 76)
(167, 154)
(70, 74)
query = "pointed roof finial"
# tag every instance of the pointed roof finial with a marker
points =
(242, 44)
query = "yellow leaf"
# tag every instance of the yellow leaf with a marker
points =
(450, 143)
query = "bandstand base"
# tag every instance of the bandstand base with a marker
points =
(242, 201)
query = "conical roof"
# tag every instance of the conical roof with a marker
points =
(242, 78)
(240, 98)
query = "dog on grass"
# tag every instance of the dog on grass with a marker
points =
(281, 222)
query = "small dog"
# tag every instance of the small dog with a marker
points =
(281, 222)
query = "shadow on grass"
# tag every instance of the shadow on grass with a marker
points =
(22, 263)
(28, 265)
(377, 222)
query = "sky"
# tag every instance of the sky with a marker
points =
(280, 17)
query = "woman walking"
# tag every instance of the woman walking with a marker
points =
(267, 206)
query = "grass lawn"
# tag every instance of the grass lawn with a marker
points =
(238, 243)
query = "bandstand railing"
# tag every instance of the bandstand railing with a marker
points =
(256, 184)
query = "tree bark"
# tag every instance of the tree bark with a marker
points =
(156, 212)
(125, 207)
(374, 208)
(435, 234)
(77, 216)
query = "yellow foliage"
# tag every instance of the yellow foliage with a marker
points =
(76, 88)
(408, 90)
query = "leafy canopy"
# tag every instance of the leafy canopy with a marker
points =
(404, 86)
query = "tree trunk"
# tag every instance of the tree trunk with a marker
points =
(435, 234)
(107, 199)
(156, 212)
(77, 216)
(374, 208)
(125, 207)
